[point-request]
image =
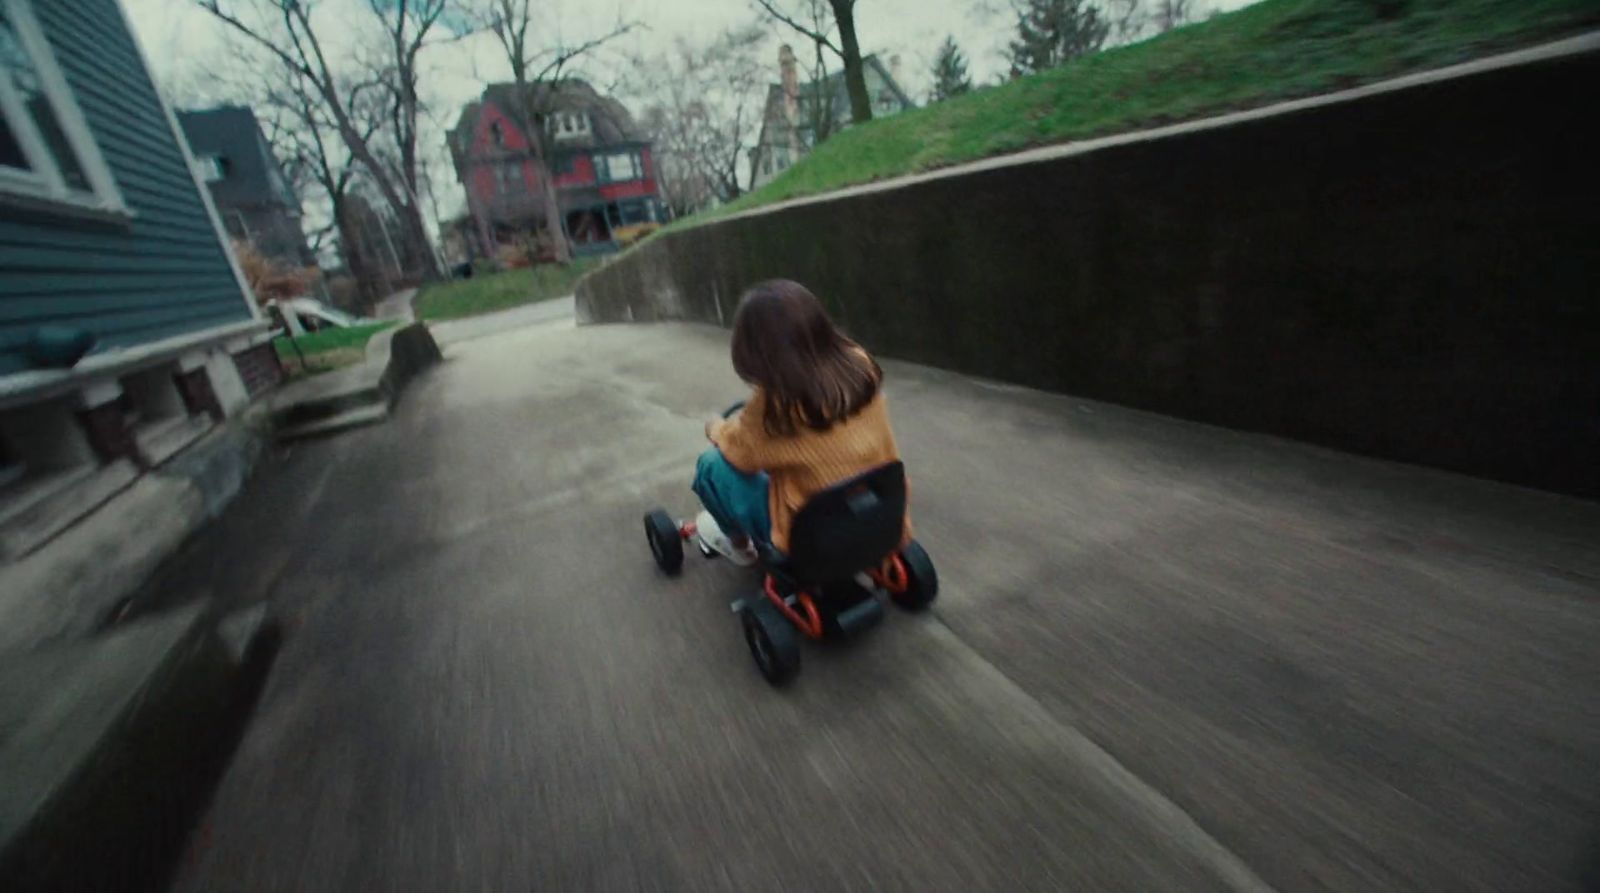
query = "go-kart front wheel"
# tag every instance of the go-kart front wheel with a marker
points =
(666, 544)
(773, 641)
(921, 584)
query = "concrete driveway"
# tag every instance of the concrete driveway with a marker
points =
(467, 328)
(1166, 657)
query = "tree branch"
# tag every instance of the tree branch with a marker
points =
(236, 24)
(552, 71)
(816, 36)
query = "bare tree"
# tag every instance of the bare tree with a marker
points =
(304, 137)
(1169, 14)
(1127, 19)
(538, 64)
(705, 114)
(1132, 20)
(284, 28)
(818, 104)
(407, 25)
(304, 140)
(683, 189)
(848, 49)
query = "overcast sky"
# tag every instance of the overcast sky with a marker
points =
(187, 46)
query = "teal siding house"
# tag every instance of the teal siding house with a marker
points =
(126, 327)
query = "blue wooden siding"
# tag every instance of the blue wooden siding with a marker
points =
(163, 273)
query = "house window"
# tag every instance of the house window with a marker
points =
(46, 149)
(633, 213)
(619, 166)
(212, 167)
(497, 131)
(511, 179)
(569, 124)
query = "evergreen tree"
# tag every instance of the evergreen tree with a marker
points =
(1051, 32)
(950, 72)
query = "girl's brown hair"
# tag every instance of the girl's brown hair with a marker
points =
(812, 375)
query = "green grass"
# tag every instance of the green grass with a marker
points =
(1273, 51)
(486, 293)
(330, 340)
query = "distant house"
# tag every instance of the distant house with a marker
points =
(601, 162)
(247, 185)
(107, 242)
(795, 112)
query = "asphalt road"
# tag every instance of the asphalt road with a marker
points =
(1166, 657)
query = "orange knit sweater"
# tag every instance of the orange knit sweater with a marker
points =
(808, 461)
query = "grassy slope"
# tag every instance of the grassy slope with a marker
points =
(1275, 50)
(327, 349)
(498, 291)
(353, 337)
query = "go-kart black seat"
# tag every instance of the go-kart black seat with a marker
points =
(848, 528)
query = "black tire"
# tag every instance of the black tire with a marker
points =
(922, 580)
(665, 542)
(773, 641)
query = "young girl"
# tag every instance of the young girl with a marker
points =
(817, 417)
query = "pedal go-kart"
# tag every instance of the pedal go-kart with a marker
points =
(844, 554)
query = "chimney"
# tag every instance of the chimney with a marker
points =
(894, 69)
(791, 83)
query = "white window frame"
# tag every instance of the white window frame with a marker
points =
(635, 164)
(44, 184)
(211, 168)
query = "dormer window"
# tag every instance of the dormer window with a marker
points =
(568, 125)
(213, 168)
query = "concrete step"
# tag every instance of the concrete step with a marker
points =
(100, 741)
(354, 417)
(39, 509)
(330, 404)
(161, 440)
(24, 492)
(359, 395)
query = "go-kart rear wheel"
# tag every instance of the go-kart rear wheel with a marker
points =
(666, 544)
(922, 581)
(773, 641)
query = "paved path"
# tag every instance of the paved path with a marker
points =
(1167, 657)
(552, 310)
(396, 306)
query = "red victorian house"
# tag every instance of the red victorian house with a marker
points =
(601, 162)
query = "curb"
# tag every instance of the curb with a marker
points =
(74, 585)
(112, 735)
(113, 744)
(394, 357)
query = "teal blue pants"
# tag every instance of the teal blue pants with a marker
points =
(737, 500)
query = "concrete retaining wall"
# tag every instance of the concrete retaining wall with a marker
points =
(1411, 274)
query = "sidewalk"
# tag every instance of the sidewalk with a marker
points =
(357, 395)
(467, 328)
(396, 306)
(109, 725)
